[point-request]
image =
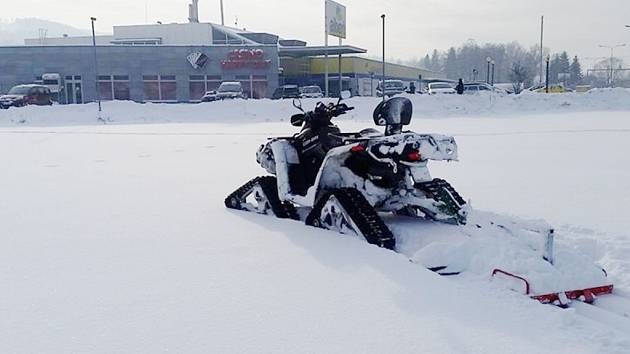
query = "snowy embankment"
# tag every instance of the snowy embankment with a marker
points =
(273, 111)
(114, 238)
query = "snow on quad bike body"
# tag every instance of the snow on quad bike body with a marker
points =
(384, 173)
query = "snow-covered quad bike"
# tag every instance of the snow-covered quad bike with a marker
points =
(378, 187)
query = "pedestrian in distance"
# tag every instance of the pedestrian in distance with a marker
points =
(460, 87)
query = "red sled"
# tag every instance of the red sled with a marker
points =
(561, 298)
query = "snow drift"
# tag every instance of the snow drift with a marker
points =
(425, 106)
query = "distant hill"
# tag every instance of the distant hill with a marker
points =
(14, 32)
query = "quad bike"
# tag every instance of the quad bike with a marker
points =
(378, 187)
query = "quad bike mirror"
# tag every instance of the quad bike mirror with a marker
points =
(297, 120)
(393, 114)
(297, 103)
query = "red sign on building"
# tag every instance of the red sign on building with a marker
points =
(246, 58)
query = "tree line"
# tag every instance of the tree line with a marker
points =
(513, 64)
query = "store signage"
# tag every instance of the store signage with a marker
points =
(335, 19)
(246, 59)
(197, 60)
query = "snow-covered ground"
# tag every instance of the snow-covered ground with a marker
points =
(114, 238)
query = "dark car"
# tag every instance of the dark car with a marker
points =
(23, 95)
(392, 88)
(286, 91)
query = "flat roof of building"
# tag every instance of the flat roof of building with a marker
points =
(318, 51)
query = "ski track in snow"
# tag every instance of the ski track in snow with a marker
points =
(115, 239)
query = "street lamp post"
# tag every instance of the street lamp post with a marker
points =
(493, 65)
(98, 94)
(612, 59)
(547, 60)
(488, 60)
(383, 82)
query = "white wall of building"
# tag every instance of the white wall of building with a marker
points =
(81, 40)
(170, 34)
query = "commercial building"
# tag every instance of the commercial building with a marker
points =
(359, 75)
(180, 62)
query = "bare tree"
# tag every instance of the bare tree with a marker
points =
(519, 74)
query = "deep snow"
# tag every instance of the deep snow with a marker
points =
(114, 238)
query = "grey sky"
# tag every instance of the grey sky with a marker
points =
(415, 26)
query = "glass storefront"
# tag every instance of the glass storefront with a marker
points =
(254, 86)
(200, 84)
(114, 87)
(159, 88)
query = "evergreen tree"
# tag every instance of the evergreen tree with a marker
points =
(554, 69)
(576, 72)
(426, 62)
(435, 61)
(450, 67)
(564, 64)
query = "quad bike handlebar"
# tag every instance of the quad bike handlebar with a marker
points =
(321, 115)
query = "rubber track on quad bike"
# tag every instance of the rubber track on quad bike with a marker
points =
(436, 190)
(269, 186)
(362, 213)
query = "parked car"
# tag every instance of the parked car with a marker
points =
(476, 87)
(443, 88)
(230, 90)
(286, 91)
(392, 88)
(311, 92)
(210, 96)
(22, 95)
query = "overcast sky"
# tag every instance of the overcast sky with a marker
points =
(414, 26)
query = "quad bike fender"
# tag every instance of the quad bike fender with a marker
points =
(328, 168)
(284, 154)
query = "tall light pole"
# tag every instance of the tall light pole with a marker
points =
(493, 64)
(488, 60)
(547, 60)
(222, 16)
(383, 83)
(98, 94)
(542, 32)
(612, 59)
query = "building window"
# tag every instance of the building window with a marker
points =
(113, 87)
(254, 86)
(259, 86)
(199, 84)
(159, 88)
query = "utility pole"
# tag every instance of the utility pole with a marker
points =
(612, 60)
(222, 14)
(542, 32)
(98, 94)
(340, 72)
(383, 82)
